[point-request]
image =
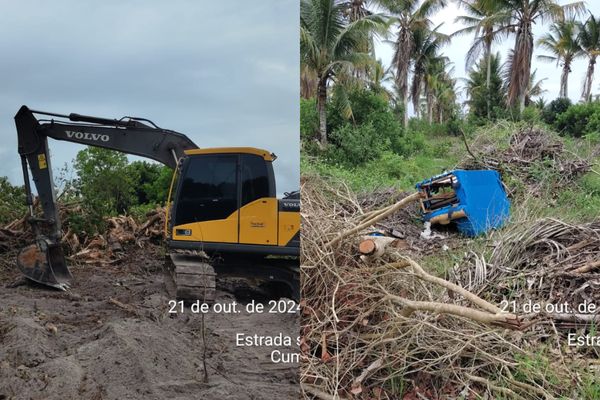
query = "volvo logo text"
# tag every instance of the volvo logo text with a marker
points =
(88, 136)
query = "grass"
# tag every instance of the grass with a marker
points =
(578, 203)
(590, 388)
(530, 362)
(396, 384)
(391, 169)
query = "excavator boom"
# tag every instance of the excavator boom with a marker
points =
(44, 261)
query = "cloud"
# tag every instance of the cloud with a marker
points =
(224, 73)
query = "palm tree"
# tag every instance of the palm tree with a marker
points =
(410, 16)
(427, 44)
(524, 13)
(329, 43)
(377, 77)
(562, 43)
(485, 20)
(356, 9)
(439, 88)
(480, 94)
(589, 41)
(535, 88)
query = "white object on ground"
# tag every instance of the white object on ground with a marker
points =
(428, 235)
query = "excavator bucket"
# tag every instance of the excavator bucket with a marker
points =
(45, 263)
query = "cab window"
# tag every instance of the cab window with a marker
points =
(208, 189)
(255, 178)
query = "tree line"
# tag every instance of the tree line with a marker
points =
(338, 56)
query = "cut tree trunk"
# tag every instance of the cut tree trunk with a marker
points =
(375, 246)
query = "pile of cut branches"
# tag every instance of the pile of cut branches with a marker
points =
(540, 261)
(385, 327)
(122, 230)
(529, 153)
(91, 248)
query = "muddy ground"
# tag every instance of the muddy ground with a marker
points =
(111, 337)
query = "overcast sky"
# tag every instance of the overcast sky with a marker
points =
(224, 73)
(457, 51)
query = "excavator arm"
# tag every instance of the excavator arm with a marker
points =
(44, 261)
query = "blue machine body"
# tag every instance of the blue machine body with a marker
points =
(478, 193)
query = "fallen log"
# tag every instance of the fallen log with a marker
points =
(374, 247)
(152, 220)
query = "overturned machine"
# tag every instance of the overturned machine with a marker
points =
(474, 200)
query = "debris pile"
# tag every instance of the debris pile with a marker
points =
(99, 248)
(532, 155)
(546, 261)
(383, 327)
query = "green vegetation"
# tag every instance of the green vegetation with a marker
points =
(330, 43)
(579, 120)
(103, 181)
(151, 182)
(105, 184)
(12, 201)
(554, 109)
(486, 99)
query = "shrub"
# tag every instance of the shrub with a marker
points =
(410, 143)
(532, 115)
(555, 108)
(12, 201)
(592, 129)
(309, 119)
(367, 107)
(354, 145)
(579, 119)
(372, 129)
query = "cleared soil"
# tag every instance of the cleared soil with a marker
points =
(111, 337)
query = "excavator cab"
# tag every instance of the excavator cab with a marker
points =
(223, 203)
(225, 200)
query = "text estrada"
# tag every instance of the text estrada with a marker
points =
(242, 339)
(583, 340)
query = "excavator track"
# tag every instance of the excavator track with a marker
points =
(189, 277)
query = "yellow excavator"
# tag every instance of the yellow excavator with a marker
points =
(223, 216)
